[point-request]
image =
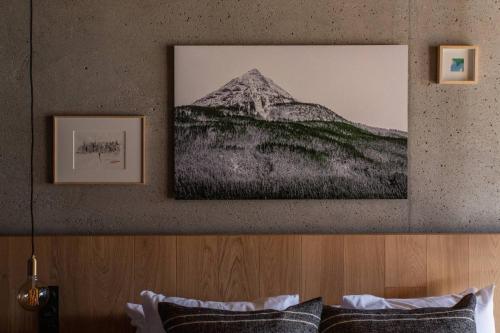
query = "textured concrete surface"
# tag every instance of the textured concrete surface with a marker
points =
(112, 57)
(15, 132)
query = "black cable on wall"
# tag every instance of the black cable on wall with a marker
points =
(30, 62)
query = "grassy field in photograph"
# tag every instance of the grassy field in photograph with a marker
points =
(222, 155)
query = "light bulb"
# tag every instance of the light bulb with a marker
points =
(33, 294)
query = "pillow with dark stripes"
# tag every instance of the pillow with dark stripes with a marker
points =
(457, 319)
(301, 318)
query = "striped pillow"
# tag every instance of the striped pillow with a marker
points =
(301, 318)
(457, 319)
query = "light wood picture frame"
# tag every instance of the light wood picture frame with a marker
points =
(99, 149)
(458, 64)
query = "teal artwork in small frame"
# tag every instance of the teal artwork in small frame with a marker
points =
(457, 65)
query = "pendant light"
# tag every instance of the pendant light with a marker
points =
(33, 294)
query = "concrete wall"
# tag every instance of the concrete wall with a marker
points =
(111, 57)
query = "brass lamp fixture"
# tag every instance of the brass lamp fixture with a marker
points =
(33, 294)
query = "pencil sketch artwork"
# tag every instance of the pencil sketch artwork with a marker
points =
(99, 150)
(291, 122)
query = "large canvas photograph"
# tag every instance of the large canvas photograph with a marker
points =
(291, 122)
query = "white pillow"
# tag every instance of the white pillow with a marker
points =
(485, 320)
(152, 318)
(136, 315)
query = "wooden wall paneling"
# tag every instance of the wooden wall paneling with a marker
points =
(4, 284)
(155, 263)
(405, 265)
(21, 321)
(484, 265)
(218, 267)
(447, 264)
(112, 282)
(238, 264)
(322, 268)
(44, 250)
(364, 262)
(197, 271)
(45, 259)
(280, 265)
(405, 292)
(98, 275)
(484, 268)
(72, 262)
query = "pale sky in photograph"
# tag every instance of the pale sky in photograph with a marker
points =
(364, 84)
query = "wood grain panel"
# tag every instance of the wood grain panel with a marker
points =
(405, 292)
(45, 260)
(112, 282)
(197, 270)
(218, 267)
(447, 264)
(155, 261)
(72, 261)
(484, 265)
(406, 261)
(4, 284)
(98, 275)
(364, 265)
(280, 258)
(323, 268)
(238, 268)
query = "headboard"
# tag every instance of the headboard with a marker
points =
(97, 275)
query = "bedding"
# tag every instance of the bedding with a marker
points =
(456, 319)
(136, 314)
(485, 320)
(146, 319)
(302, 318)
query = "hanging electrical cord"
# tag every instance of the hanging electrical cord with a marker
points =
(33, 294)
(32, 213)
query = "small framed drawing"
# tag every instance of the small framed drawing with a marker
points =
(99, 149)
(458, 64)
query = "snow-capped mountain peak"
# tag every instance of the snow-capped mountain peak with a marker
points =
(251, 92)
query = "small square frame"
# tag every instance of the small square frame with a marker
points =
(142, 146)
(470, 52)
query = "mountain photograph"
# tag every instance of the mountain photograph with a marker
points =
(252, 139)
